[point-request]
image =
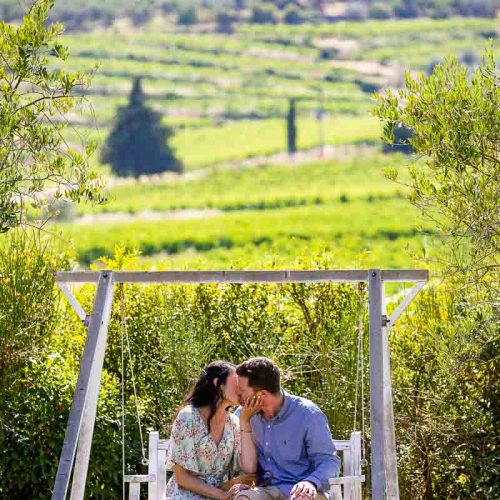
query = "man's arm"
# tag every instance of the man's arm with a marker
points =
(321, 451)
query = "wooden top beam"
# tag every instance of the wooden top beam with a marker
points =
(353, 275)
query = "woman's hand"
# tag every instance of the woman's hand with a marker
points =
(234, 490)
(249, 409)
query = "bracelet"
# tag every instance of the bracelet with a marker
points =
(244, 430)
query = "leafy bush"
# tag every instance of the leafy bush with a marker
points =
(267, 14)
(356, 11)
(479, 8)
(329, 53)
(293, 15)
(380, 10)
(368, 86)
(225, 22)
(442, 9)
(446, 385)
(188, 16)
(406, 8)
(443, 348)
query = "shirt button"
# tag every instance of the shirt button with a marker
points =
(267, 444)
(268, 426)
(268, 459)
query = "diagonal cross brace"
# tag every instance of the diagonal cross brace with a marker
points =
(72, 300)
(405, 303)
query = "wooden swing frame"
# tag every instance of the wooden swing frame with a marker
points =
(75, 453)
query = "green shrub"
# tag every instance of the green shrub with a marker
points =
(187, 16)
(445, 388)
(406, 8)
(225, 22)
(266, 14)
(379, 10)
(356, 11)
(293, 15)
(443, 352)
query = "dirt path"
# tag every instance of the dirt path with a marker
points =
(339, 152)
(301, 157)
(147, 215)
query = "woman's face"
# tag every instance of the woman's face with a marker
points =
(231, 388)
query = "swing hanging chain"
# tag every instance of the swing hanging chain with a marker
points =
(357, 368)
(122, 312)
(360, 371)
(362, 301)
(124, 330)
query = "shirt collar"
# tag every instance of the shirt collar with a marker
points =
(284, 407)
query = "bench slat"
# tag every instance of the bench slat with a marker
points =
(139, 478)
(164, 444)
(342, 445)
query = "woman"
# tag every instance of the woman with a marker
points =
(208, 444)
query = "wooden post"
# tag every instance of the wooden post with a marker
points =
(81, 419)
(390, 455)
(376, 384)
(153, 465)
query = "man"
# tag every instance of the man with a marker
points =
(296, 454)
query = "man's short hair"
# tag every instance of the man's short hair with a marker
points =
(262, 374)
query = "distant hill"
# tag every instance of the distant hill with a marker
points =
(223, 14)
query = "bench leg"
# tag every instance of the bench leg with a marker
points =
(134, 491)
(336, 492)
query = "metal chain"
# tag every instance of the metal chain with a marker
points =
(125, 336)
(122, 312)
(360, 372)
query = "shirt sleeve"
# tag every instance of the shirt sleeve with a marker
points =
(321, 451)
(182, 443)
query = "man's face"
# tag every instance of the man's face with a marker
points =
(244, 390)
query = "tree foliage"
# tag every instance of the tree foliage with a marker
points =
(291, 127)
(455, 120)
(34, 100)
(138, 142)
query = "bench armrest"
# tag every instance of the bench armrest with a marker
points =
(346, 479)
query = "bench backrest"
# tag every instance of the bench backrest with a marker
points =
(349, 452)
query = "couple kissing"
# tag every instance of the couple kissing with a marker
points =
(275, 446)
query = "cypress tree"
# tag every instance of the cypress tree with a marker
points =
(291, 127)
(138, 143)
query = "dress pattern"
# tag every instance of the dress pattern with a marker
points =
(192, 447)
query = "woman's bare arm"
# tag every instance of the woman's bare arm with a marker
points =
(189, 481)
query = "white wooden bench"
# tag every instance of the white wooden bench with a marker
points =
(345, 487)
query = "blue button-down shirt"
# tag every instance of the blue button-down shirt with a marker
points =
(296, 445)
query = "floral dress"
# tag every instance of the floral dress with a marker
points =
(192, 447)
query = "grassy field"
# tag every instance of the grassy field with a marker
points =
(265, 214)
(226, 98)
(262, 187)
(251, 74)
(232, 141)
(382, 227)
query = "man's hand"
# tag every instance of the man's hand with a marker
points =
(305, 490)
(234, 490)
